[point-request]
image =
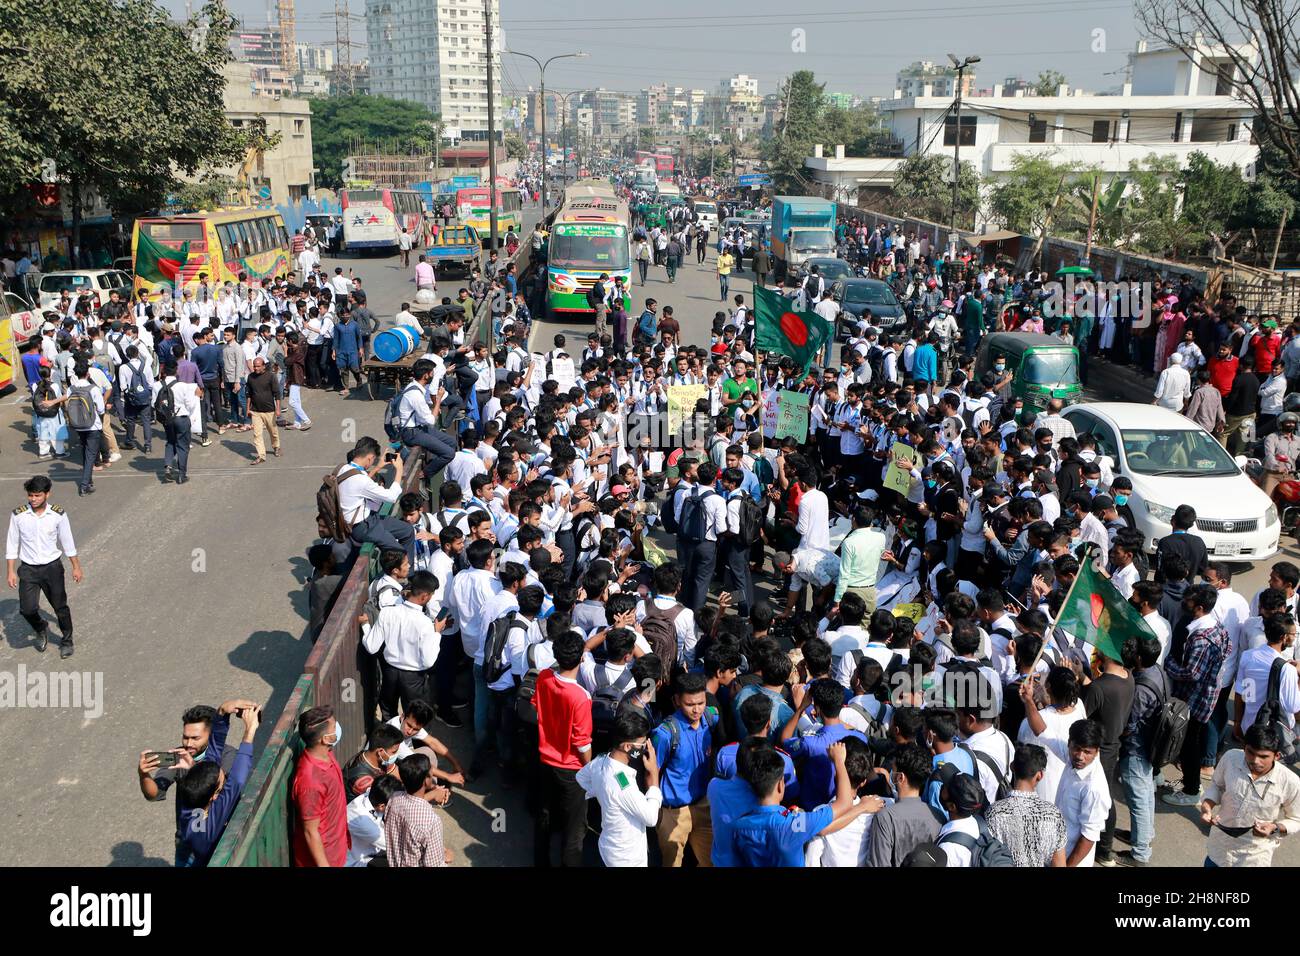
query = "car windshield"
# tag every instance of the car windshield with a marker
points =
(870, 293)
(812, 240)
(58, 283)
(1051, 367)
(1188, 451)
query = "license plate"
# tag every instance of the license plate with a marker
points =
(1227, 550)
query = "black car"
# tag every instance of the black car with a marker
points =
(854, 296)
(828, 267)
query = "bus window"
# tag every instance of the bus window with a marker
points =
(229, 241)
(173, 230)
(246, 238)
(265, 241)
(284, 235)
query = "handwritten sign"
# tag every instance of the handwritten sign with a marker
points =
(793, 409)
(898, 476)
(681, 404)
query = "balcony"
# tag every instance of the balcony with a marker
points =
(1116, 157)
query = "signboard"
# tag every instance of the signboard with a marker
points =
(898, 476)
(792, 415)
(589, 229)
(771, 399)
(755, 179)
(463, 182)
(681, 404)
(263, 192)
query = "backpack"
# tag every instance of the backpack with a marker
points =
(711, 720)
(371, 609)
(44, 393)
(668, 514)
(658, 627)
(876, 729)
(693, 516)
(80, 408)
(525, 709)
(495, 645)
(1004, 786)
(1270, 713)
(606, 698)
(944, 773)
(1168, 727)
(968, 413)
(392, 427)
(876, 359)
(330, 522)
(595, 296)
(751, 521)
(139, 393)
(164, 407)
(986, 851)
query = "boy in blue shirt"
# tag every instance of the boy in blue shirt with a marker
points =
(206, 797)
(811, 751)
(771, 835)
(684, 750)
(941, 729)
(731, 797)
(755, 716)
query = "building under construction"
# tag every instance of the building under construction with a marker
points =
(386, 165)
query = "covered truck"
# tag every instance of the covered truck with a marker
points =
(803, 227)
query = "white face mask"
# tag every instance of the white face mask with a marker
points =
(338, 734)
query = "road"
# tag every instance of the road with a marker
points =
(195, 594)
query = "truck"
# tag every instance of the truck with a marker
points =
(456, 245)
(802, 227)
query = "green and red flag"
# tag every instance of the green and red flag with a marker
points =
(154, 262)
(779, 328)
(1096, 612)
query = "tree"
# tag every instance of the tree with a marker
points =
(340, 124)
(209, 191)
(1048, 82)
(134, 105)
(1261, 73)
(803, 100)
(1213, 199)
(515, 147)
(1028, 195)
(1158, 227)
(923, 188)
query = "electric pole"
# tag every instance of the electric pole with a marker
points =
(491, 122)
(956, 152)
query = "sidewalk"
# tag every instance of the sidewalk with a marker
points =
(1108, 382)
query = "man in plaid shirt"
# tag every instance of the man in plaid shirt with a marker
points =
(1052, 420)
(1195, 676)
(412, 829)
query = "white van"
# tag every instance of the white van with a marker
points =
(706, 212)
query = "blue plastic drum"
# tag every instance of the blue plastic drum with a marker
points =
(393, 345)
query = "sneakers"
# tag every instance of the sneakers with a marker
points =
(116, 456)
(1105, 860)
(449, 719)
(167, 474)
(1126, 858)
(205, 443)
(182, 479)
(1181, 799)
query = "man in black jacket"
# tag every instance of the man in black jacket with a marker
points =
(1183, 543)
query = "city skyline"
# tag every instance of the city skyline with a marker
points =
(1088, 45)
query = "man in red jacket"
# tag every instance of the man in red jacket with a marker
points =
(1267, 343)
(1223, 369)
(564, 746)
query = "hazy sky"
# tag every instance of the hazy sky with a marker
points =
(854, 48)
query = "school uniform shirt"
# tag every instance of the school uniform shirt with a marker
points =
(464, 466)
(998, 746)
(848, 419)
(1083, 798)
(359, 494)
(471, 593)
(1252, 685)
(366, 826)
(39, 539)
(816, 771)
(625, 811)
(730, 798)
(849, 846)
(407, 636)
(814, 525)
(1230, 610)
(775, 836)
(957, 854)
(685, 777)
(98, 384)
(1057, 731)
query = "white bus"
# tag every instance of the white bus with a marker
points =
(374, 218)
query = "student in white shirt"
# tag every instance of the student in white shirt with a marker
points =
(625, 811)
(366, 822)
(849, 845)
(1083, 795)
(1065, 709)
(963, 798)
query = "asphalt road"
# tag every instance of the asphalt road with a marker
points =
(195, 594)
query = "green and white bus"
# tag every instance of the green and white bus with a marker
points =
(589, 236)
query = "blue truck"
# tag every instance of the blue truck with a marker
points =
(456, 246)
(803, 227)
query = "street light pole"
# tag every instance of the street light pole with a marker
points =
(956, 152)
(541, 70)
(491, 122)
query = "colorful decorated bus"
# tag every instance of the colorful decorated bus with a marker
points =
(473, 208)
(589, 236)
(173, 251)
(374, 218)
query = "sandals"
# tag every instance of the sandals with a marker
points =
(257, 461)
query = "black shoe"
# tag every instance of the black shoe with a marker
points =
(166, 474)
(1126, 858)
(42, 641)
(450, 719)
(65, 649)
(182, 479)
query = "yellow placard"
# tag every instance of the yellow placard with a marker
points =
(681, 404)
(898, 476)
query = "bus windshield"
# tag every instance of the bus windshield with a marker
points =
(608, 251)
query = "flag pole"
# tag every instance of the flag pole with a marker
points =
(1064, 601)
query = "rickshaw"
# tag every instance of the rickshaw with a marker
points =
(1043, 366)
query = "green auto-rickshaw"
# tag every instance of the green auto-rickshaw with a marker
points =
(1044, 367)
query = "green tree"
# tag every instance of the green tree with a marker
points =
(1214, 197)
(515, 147)
(1048, 82)
(1027, 197)
(803, 100)
(923, 188)
(124, 101)
(208, 191)
(340, 124)
(1154, 199)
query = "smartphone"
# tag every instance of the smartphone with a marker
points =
(166, 759)
(391, 456)
(444, 614)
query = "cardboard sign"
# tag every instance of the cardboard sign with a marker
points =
(681, 404)
(898, 476)
(793, 411)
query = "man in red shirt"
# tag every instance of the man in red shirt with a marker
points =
(1267, 344)
(1223, 369)
(564, 746)
(320, 831)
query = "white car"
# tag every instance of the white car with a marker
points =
(1172, 461)
(94, 282)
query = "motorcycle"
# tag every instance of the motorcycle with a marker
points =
(1286, 498)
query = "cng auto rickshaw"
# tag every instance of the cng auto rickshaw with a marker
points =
(1043, 366)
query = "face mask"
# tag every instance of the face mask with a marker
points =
(389, 761)
(930, 483)
(1121, 499)
(635, 752)
(1000, 367)
(1091, 482)
(338, 734)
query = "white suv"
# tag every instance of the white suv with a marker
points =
(96, 282)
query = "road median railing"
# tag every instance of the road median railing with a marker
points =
(260, 831)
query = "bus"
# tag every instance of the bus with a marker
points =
(375, 218)
(171, 251)
(645, 177)
(670, 194)
(472, 208)
(662, 162)
(589, 236)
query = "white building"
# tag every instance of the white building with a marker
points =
(433, 52)
(941, 79)
(740, 85)
(314, 59)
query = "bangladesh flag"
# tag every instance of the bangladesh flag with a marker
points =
(780, 329)
(154, 262)
(1095, 611)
